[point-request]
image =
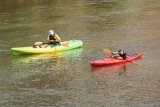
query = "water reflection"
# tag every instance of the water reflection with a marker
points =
(47, 64)
(121, 68)
(45, 70)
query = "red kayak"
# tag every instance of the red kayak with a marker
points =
(112, 61)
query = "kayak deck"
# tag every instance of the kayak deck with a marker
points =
(112, 61)
(31, 50)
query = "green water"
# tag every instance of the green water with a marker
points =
(66, 79)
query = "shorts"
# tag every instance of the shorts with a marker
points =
(53, 44)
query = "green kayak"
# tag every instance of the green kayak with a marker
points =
(66, 45)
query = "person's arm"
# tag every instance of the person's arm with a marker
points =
(115, 52)
(58, 39)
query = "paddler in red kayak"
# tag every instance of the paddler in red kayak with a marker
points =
(119, 55)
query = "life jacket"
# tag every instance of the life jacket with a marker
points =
(52, 37)
(123, 55)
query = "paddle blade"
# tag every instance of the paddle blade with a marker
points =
(38, 43)
(107, 51)
(65, 44)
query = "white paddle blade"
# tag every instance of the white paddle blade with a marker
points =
(38, 43)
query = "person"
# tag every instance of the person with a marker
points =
(53, 39)
(120, 54)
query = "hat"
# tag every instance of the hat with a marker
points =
(51, 32)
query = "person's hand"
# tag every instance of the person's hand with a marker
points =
(57, 40)
(52, 40)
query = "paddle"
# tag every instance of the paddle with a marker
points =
(109, 52)
(40, 43)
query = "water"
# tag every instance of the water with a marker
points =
(66, 79)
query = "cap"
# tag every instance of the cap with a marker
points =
(51, 32)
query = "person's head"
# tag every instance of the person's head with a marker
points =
(51, 32)
(120, 51)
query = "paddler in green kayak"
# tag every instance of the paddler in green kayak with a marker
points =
(53, 39)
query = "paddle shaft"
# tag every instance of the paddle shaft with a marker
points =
(41, 43)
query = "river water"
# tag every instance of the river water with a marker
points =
(66, 79)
